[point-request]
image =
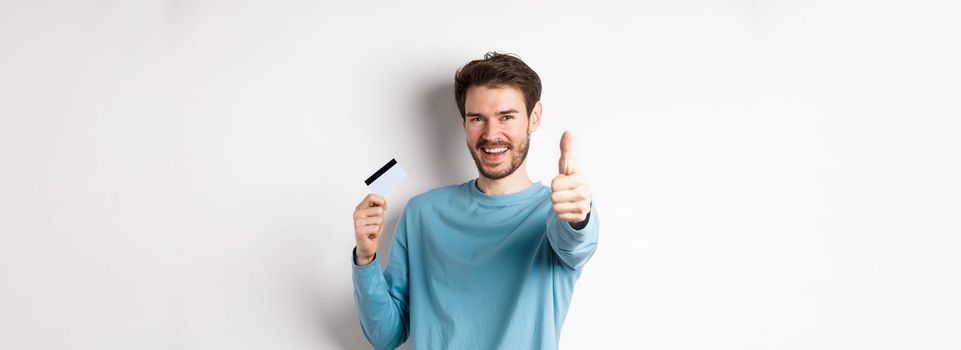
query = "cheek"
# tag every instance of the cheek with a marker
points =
(518, 135)
(472, 139)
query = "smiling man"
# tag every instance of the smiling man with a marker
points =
(490, 263)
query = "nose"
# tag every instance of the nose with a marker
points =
(491, 131)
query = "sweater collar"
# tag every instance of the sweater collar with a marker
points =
(516, 197)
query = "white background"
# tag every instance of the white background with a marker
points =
(770, 174)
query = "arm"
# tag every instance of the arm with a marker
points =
(382, 297)
(571, 227)
(574, 247)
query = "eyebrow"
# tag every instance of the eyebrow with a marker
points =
(475, 114)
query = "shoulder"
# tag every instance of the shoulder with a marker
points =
(437, 196)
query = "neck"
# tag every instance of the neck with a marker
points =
(516, 182)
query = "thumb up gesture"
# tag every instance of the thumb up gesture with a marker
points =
(569, 193)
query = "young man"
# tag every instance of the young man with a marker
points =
(490, 263)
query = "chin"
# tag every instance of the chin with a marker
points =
(496, 173)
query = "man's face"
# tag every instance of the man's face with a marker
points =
(498, 129)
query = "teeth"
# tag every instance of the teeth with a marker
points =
(495, 150)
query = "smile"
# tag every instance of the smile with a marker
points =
(495, 150)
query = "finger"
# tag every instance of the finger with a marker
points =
(564, 183)
(363, 202)
(564, 166)
(368, 231)
(571, 207)
(369, 221)
(363, 213)
(567, 197)
(571, 217)
(374, 200)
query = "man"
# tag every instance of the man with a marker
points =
(490, 263)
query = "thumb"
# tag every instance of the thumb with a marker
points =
(565, 165)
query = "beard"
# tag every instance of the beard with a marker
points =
(516, 158)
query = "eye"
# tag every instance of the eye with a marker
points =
(475, 119)
(508, 117)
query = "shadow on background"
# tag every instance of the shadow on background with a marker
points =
(339, 314)
(442, 126)
(439, 122)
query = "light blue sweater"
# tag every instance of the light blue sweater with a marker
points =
(469, 270)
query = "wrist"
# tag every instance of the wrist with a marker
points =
(363, 259)
(364, 262)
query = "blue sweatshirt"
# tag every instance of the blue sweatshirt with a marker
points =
(469, 270)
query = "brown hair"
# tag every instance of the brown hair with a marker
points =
(497, 69)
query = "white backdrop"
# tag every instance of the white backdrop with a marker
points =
(771, 174)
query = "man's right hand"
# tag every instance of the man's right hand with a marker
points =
(368, 226)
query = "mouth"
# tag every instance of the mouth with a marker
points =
(493, 154)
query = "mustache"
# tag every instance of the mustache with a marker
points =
(494, 144)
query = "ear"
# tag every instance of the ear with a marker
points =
(535, 117)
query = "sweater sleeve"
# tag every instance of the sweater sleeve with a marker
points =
(573, 246)
(382, 297)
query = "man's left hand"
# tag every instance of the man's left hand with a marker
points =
(569, 192)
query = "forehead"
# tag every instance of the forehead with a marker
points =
(484, 99)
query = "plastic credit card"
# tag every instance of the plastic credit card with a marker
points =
(386, 178)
